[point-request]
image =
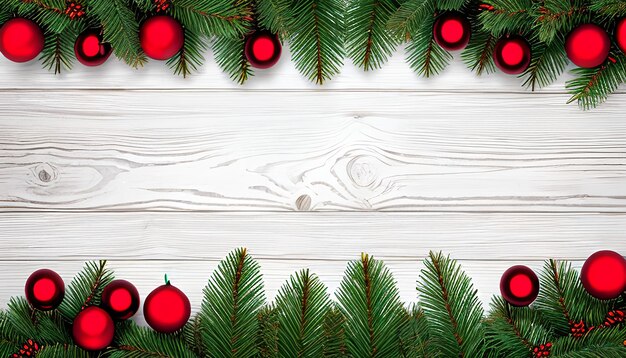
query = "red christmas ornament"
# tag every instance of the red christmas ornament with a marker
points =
(452, 31)
(512, 55)
(93, 329)
(167, 309)
(604, 275)
(263, 49)
(620, 34)
(161, 37)
(21, 40)
(588, 46)
(519, 286)
(44, 289)
(90, 50)
(121, 299)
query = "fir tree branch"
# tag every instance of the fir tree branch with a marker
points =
(555, 17)
(317, 47)
(410, 16)
(268, 332)
(213, 17)
(275, 15)
(368, 42)
(478, 53)
(547, 63)
(190, 57)
(507, 16)
(58, 52)
(230, 56)
(452, 308)
(369, 299)
(134, 341)
(593, 86)
(192, 333)
(120, 29)
(62, 350)
(334, 345)
(301, 305)
(232, 300)
(85, 289)
(414, 335)
(612, 8)
(424, 55)
(604, 342)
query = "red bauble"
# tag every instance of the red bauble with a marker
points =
(21, 40)
(620, 34)
(93, 329)
(45, 289)
(519, 286)
(167, 309)
(90, 50)
(512, 55)
(263, 49)
(588, 46)
(452, 31)
(121, 299)
(161, 37)
(604, 275)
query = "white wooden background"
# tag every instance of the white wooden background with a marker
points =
(164, 175)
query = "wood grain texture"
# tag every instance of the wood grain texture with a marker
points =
(192, 276)
(323, 237)
(279, 151)
(395, 75)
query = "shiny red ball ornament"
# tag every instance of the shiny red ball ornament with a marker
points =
(93, 329)
(263, 49)
(161, 37)
(121, 299)
(21, 40)
(167, 309)
(452, 31)
(604, 275)
(588, 46)
(44, 289)
(519, 286)
(90, 50)
(512, 55)
(620, 34)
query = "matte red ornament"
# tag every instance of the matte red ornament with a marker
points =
(21, 40)
(161, 37)
(620, 34)
(90, 50)
(519, 286)
(452, 31)
(512, 55)
(588, 46)
(93, 329)
(263, 49)
(121, 299)
(167, 309)
(44, 289)
(604, 275)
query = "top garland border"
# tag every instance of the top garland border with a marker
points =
(323, 33)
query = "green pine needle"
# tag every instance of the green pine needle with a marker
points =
(508, 16)
(317, 43)
(368, 42)
(599, 343)
(301, 305)
(556, 17)
(547, 63)
(190, 57)
(611, 8)
(142, 342)
(213, 17)
(120, 29)
(562, 299)
(452, 308)
(63, 350)
(414, 335)
(410, 17)
(232, 300)
(334, 345)
(230, 56)
(58, 53)
(478, 55)
(267, 338)
(85, 289)
(424, 55)
(275, 15)
(369, 299)
(593, 86)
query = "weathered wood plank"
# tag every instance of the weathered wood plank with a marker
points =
(263, 151)
(192, 276)
(395, 75)
(307, 236)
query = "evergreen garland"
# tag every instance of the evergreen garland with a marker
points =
(366, 320)
(323, 33)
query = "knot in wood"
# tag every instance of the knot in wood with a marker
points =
(303, 203)
(362, 170)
